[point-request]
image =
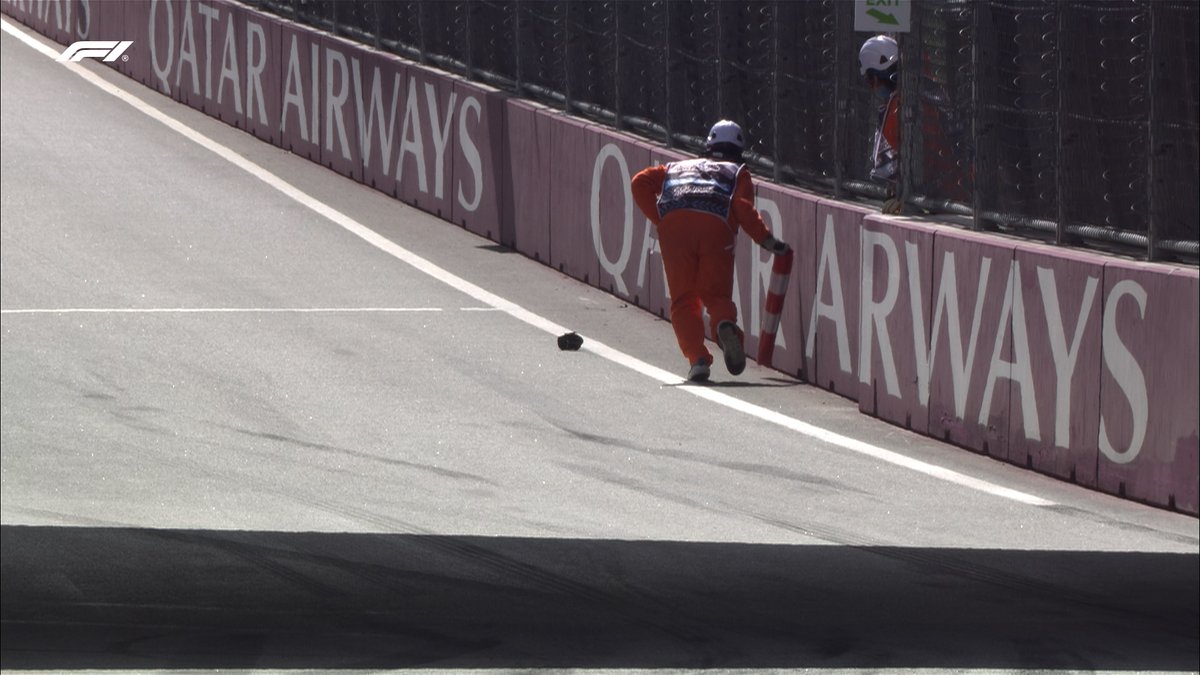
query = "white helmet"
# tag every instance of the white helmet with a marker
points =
(878, 53)
(725, 132)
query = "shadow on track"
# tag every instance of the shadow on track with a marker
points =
(137, 598)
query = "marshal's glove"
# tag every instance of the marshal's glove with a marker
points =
(775, 246)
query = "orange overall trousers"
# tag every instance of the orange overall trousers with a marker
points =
(697, 207)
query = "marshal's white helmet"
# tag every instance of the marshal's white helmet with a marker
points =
(878, 53)
(725, 132)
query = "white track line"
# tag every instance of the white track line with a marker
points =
(217, 310)
(488, 298)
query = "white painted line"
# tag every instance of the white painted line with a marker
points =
(217, 310)
(492, 300)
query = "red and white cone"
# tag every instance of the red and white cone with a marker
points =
(781, 272)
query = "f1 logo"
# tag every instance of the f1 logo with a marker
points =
(109, 50)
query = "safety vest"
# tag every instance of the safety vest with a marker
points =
(885, 156)
(699, 185)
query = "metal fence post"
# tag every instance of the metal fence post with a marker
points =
(378, 24)
(976, 197)
(1151, 219)
(616, 16)
(775, 107)
(839, 106)
(516, 10)
(421, 32)
(566, 56)
(910, 84)
(470, 39)
(721, 61)
(1059, 145)
(667, 75)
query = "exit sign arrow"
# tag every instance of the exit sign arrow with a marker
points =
(883, 17)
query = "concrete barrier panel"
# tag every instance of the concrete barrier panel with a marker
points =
(380, 86)
(831, 339)
(341, 150)
(573, 146)
(193, 81)
(526, 180)
(970, 351)
(299, 94)
(209, 27)
(622, 238)
(894, 319)
(106, 21)
(426, 156)
(228, 72)
(476, 194)
(1149, 405)
(156, 61)
(263, 76)
(67, 20)
(791, 216)
(131, 20)
(20, 12)
(1053, 423)
(60, 21)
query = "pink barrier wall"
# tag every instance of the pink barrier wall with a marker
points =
(300, 101)
(426, 134)
(1077, 365)
(894, 322)
(380, 91)
(526, 175)
(571, 250)
(1058, 425)
(831, 338)
(479, 167)
(263, 89)
(622, 239)
(967, 373)
(1148, 375)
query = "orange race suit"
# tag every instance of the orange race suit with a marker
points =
(697, 207)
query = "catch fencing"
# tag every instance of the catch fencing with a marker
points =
(1070, 121)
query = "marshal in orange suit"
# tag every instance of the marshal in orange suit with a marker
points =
(697, 207)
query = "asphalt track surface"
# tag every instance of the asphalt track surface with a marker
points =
(237, 434)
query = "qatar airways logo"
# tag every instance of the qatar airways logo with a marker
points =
(105, 50)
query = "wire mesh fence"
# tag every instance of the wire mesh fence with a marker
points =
(1074, 121)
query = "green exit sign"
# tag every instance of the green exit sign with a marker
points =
(882, 16)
